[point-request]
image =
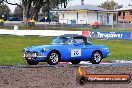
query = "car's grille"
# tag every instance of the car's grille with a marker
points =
(30, 54)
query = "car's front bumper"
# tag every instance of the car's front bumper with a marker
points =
(35, 57)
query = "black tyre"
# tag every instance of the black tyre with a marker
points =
(53, 58)
(96, 57)
(32, 62)
(75, 62)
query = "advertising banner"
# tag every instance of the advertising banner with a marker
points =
(131, 35)
(86, 33)
(108, 35)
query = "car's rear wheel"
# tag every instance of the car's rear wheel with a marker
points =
(96, 57)
(32, 62)
(53, 58)
(75, 62)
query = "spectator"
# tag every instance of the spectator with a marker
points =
(1, 22)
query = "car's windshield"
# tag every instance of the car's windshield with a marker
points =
(81, 40)
(60, 40)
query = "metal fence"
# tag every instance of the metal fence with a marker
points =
(55, 25)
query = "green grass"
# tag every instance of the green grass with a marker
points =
(99, 30)
(119, 49)
(68, 29)
(11, 48)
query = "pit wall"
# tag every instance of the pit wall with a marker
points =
(90, 34)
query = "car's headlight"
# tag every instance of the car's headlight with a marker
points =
(43, 49)
(35, 54)
(31, 54)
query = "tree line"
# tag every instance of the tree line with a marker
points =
(34, 8)
(31, 8)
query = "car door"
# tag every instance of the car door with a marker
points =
(71, 52)
(75, 50)
(87, 52)
(80, 50)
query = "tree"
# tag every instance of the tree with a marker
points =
(82, 2)
(18, 12)
(31, 8)
(1, 1)
(110, 5)
(4, 10)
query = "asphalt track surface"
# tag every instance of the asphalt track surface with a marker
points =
(66, 65)
(58, 76)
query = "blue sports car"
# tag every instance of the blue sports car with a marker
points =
(67, 48)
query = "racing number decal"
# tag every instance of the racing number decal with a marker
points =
(75, 52)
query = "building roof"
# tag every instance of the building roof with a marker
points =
(82, 7)
(125, 8)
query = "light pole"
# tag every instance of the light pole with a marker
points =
(45, 22)
(108, 6)
(82, 2)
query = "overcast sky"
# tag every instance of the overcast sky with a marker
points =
(78, 2)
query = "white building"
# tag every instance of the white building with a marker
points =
(85, 14)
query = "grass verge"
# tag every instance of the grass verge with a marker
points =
(69, 29)
(11, 48)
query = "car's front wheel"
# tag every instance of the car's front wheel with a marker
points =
(96, 57)
(32, 62)
(53, 58)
